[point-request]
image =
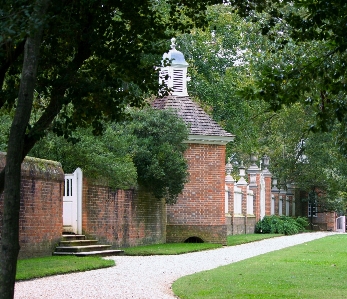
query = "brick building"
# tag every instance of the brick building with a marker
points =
(199, 213)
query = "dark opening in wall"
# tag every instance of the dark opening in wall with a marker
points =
(194, 240)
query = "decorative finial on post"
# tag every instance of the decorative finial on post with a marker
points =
(173, 43)
(228, 167)
(274, 185)
(242, 170)
(266, 161)
(254, 159)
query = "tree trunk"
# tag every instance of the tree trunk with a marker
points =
(10, 228)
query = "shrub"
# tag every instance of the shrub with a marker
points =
(281, 225)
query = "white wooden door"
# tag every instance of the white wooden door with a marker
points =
(72, 202)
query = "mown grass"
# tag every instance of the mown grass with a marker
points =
(242, 239)
(169, 248)
(180, 248)
(315, 269)
(52, 265)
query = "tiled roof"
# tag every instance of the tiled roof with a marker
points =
(199, 122)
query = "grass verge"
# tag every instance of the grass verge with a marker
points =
(180, 248)
(242, 239)
(169, 248)
(52, 265)
(315, 269)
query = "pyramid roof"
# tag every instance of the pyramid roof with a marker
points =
(203, 129)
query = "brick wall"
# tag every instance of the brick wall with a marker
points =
(122, 218)
(324, 221)
(41, 208)
(199, 211)
(267, 178)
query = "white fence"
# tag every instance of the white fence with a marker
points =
(237, 201)
(250, 197)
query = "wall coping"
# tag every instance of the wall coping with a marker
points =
(38, 168)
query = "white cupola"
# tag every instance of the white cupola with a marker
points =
(175, 74)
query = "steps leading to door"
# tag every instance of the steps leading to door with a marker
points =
(78, 245)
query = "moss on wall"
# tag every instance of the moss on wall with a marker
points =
(36, 168)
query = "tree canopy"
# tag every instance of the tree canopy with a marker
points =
(230, 67)
(68, 64)
(308, 57)
(144, 149)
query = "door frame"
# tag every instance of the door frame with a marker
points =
(74, 184)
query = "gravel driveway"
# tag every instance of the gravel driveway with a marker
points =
(148, 277)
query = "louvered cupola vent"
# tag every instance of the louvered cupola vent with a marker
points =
(175, 75)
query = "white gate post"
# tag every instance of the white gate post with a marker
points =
(341, 224)
(79, 176)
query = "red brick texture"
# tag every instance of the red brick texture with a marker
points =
(200, 210)
(41, 208)
(268, 195)
(122, 218)
(325, 221)
(256, 191)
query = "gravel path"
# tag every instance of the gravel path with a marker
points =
(148, 277)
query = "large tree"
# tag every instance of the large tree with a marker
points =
(144, 149)
(66, 64)
(309, 57)
(231, 64)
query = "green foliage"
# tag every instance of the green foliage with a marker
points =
(158, 151)
(281, 225)
(240, 78)
(306, 60)
(5, 122)
(105, 158)
(146, 148)
(96, 59)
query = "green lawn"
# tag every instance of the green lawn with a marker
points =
(180, 248)
(242, 239)
(169, 248)
(316, 269)
(52, 265)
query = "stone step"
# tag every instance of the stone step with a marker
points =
(82, 248)
(92, 253)
(67, 237)
(72, 244)
(77, 243)
(68, 229)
